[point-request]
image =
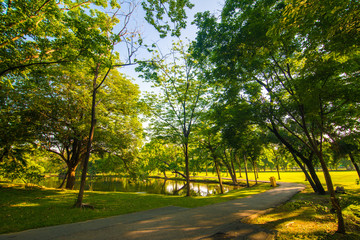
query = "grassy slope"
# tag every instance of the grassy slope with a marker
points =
(307, 215)
(22, 208)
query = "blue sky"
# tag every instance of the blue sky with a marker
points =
(150, 35)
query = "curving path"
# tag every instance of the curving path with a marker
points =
(217, 221)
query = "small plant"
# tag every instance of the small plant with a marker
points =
(294, 205)
(13, 170)
(321, 209)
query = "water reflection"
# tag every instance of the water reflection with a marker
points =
(151, 185)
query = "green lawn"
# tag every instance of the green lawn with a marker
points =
(307, 216)
(25, 208)
(340, 178)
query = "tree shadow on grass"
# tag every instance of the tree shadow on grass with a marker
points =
(25, 208)
(304, 220)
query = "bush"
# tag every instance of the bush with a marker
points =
(27, 173)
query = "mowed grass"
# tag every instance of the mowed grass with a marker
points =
(308, 215)
(24, 208)
(346, 179)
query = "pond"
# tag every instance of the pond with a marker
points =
(151, 185)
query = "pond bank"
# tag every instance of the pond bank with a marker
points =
(153, 185)
(228, 181)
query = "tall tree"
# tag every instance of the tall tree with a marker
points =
(181, 100)
(57, 99)
(104, 60)
(303, 74)
(208, 137)
(40, 33)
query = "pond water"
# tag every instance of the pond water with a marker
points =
(151, 185)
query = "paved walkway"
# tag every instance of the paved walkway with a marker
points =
(217, 221)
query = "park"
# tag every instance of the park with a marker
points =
(179, 119)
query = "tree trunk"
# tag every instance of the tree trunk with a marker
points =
(233, 168)
(278, 171)
(315, 178)
(79, 200)
(239, 163)
(311, 182)
(319, 153)
(246, 171)
(230, 169)
(334, 200)
(355, 164)
(72, 159)
(219, 176)
(70, 183)
(179, 173)
(187, 168)
(163, 188)
(63, 181)
(255, 172)
(178, 190)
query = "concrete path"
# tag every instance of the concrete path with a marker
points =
(217, 221)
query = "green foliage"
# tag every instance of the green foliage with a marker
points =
(49, 51)
(182, 96)
(19, 165)
(57, 112)
(283, 52)
(177, 106)
(43, 33)
(158, 13)
(158, 155)
(306, 85)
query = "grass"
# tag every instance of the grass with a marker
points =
(340, 178)
(308, 216)
(26, 208)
